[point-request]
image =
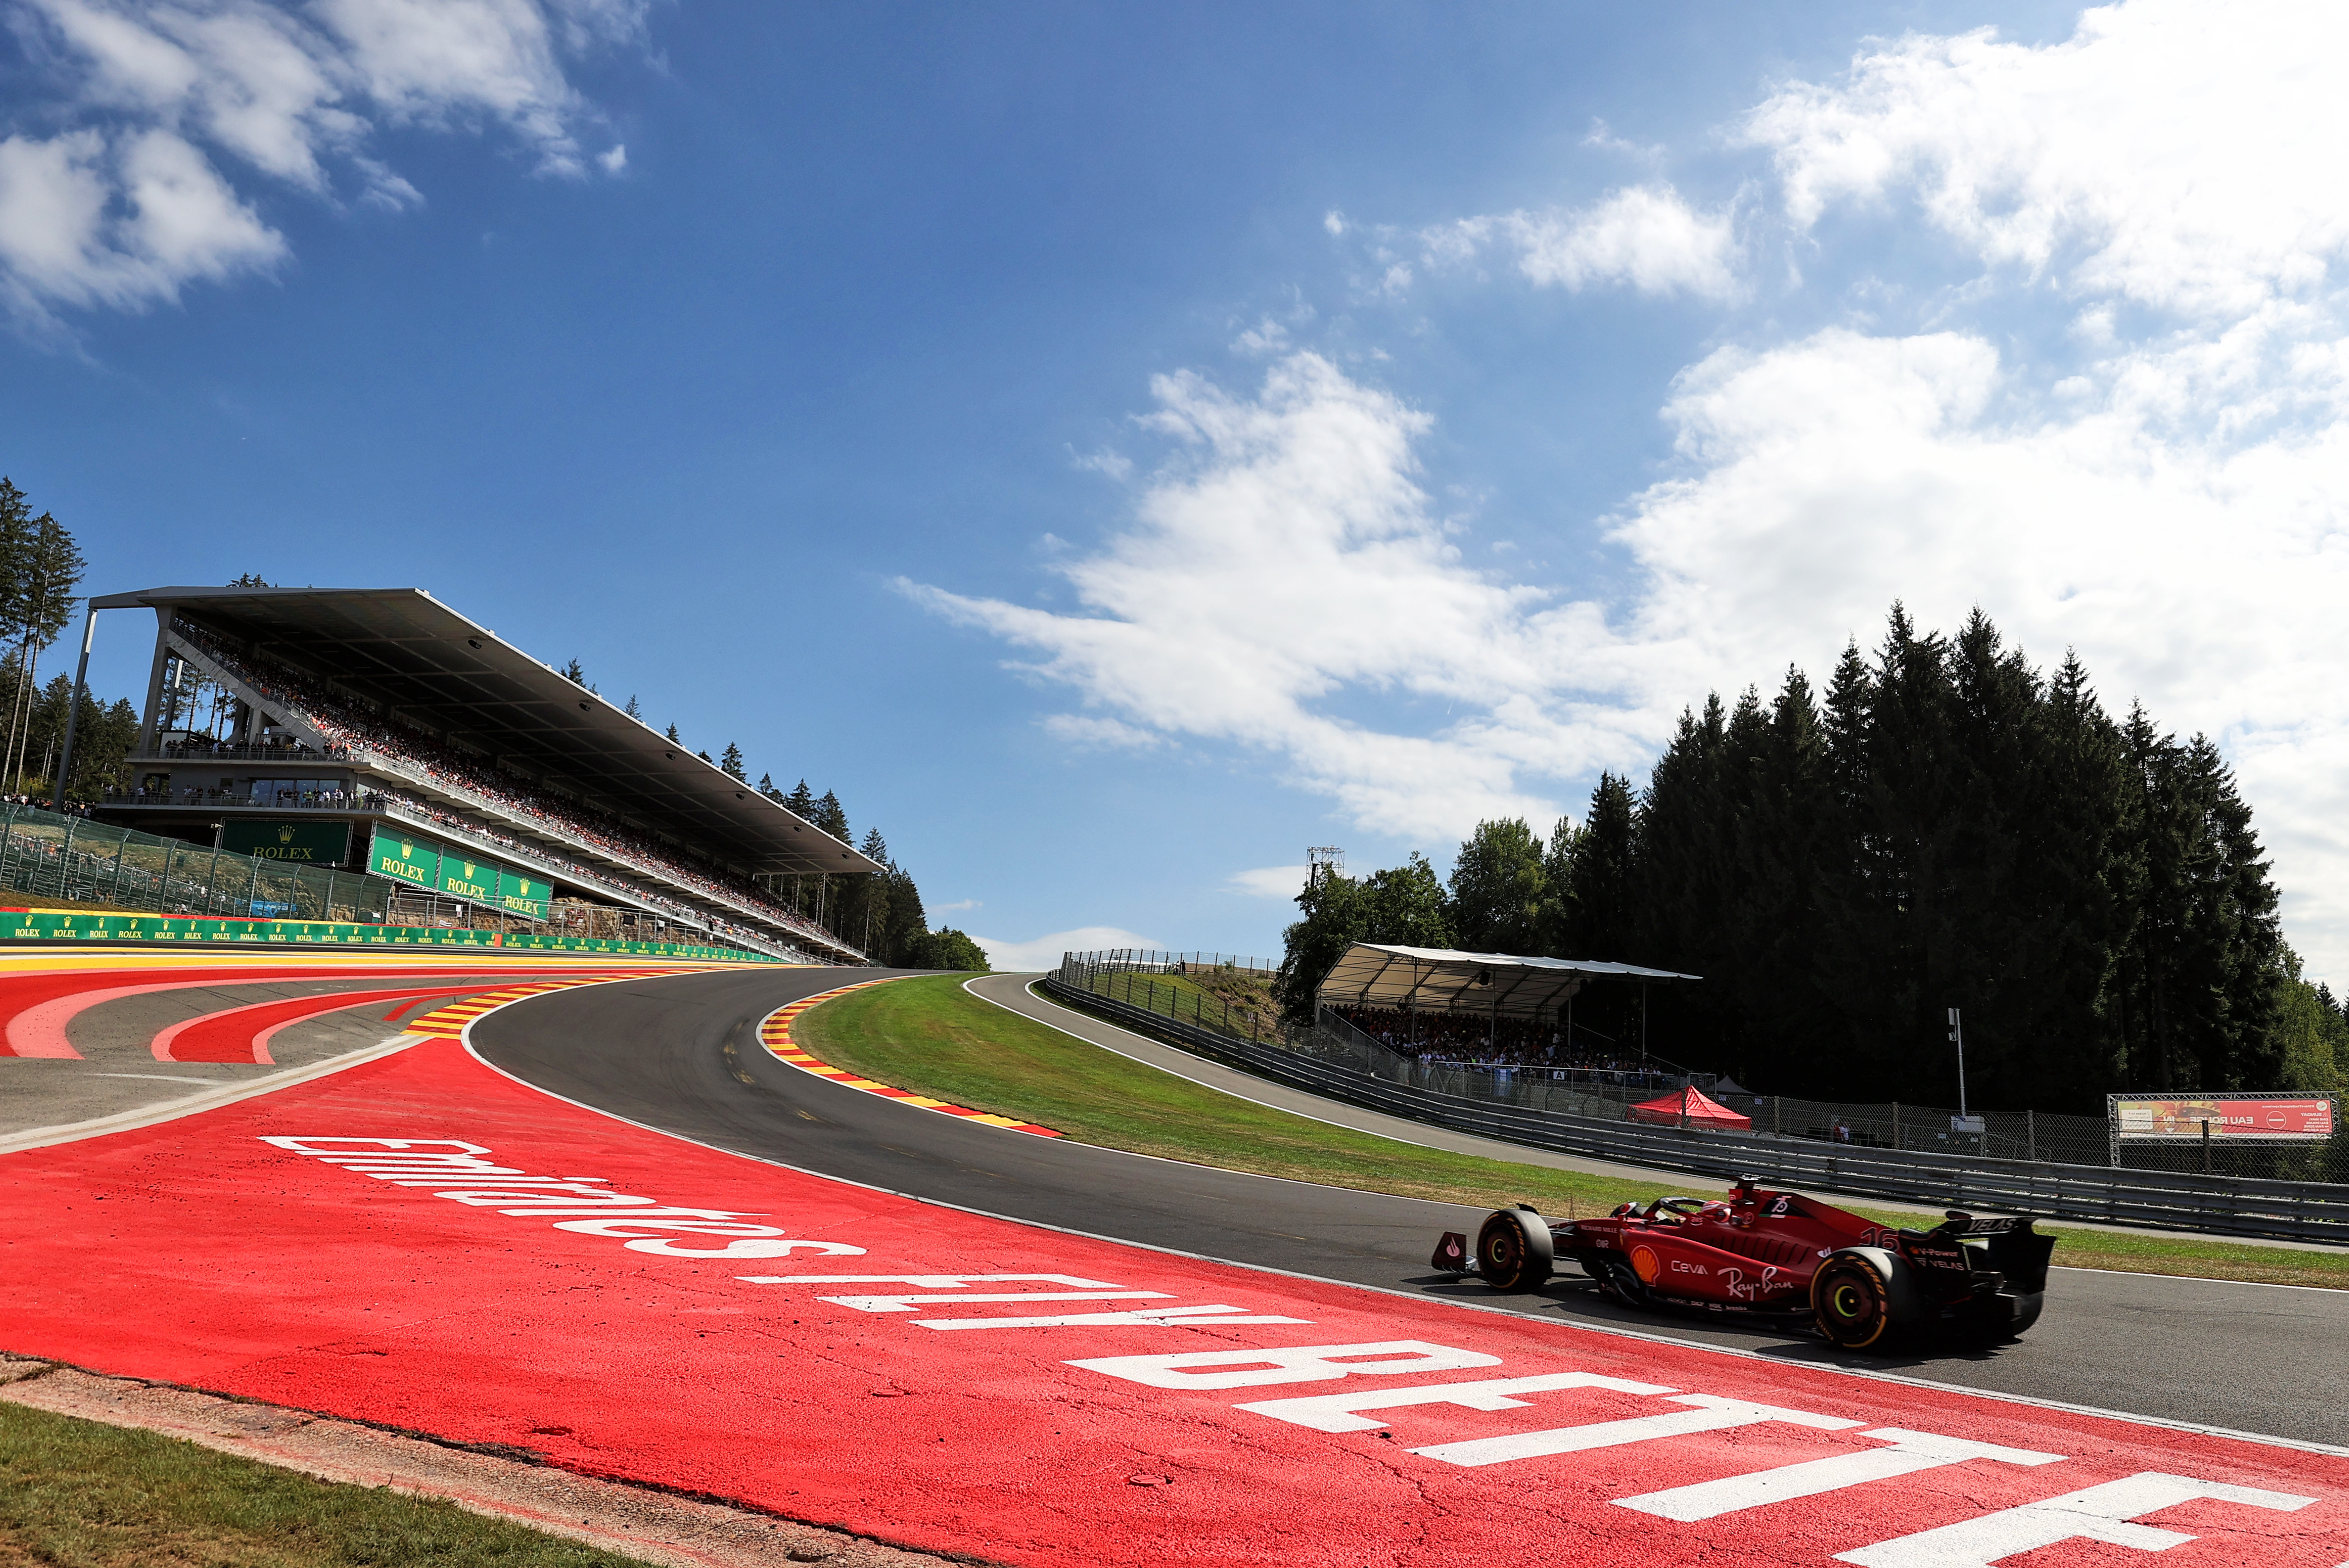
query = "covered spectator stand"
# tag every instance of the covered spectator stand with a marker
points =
(1689, 1107)
(380, 732)
(1528, 998)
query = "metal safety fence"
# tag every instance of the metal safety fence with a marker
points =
(1542, 1112)
(1177, 986)
(46, 855)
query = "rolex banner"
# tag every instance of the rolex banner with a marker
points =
(405, 857)
(523, 895)
(455, 872)
(321, 843)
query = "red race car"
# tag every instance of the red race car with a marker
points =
(1780, 1257)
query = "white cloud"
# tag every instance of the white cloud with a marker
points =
(954, 908)
(1644, 236)
(614, 160)
(2161, 482)
(131, 202)
(1088, 731)
(1110, 464)
(1286, 556)
(1269, 881)
(1266, 337)
(2175, 153)
(1045, 952)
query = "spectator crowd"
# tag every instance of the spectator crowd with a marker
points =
(1478, 1040)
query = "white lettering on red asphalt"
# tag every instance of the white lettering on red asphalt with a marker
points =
(583, 1204)
(2104, 1513)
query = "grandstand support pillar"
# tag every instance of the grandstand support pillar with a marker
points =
(72, 712)
(154, 708)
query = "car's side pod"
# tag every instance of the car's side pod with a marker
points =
(1514, 1249)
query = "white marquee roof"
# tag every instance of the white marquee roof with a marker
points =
(1435, 980)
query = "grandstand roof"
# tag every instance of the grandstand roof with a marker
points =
(1437, 980)
(404, 649)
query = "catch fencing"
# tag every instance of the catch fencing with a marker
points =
(1534, 1109)
(1185, 988)
(45, 855)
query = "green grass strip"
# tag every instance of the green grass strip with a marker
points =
(80, 1494)
(931, 1036)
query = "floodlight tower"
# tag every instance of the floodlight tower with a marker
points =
(1323, 860)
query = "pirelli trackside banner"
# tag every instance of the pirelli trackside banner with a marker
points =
(2232, 1116)
(457, 873)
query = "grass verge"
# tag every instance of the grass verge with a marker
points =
(933, 1037)
(78, 1494)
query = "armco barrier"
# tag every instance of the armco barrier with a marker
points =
(53, 926)
(2284, 1210)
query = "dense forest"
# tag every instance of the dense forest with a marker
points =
(1945, 826)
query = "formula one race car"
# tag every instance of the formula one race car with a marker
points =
(1778, 1257)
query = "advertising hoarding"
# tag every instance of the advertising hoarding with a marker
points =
(523, 895)
(476, 881)
(326, 844)
(457, 873)
(2147, 1118)
(405, 857)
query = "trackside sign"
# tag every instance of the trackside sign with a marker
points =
(2233, 1118)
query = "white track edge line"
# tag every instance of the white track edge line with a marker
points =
(2160, 1423)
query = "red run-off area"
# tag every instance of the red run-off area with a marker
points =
(423, 1242)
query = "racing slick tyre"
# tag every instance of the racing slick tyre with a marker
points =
(1514, 1251)
(1862, 1299)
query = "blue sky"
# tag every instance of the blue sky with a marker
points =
(1116, 449)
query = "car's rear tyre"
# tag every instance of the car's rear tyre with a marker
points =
(1514, 1252)
(1851, 1301)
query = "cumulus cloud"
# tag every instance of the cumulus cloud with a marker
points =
(1269, 881)
(1286, 556)
(164, 103)
(1045, 952)
(2162, 486)
(1645, 236)
(2168, 152)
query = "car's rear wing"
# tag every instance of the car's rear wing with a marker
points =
(2009, 1245)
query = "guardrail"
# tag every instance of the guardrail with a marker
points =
(2282, 1211)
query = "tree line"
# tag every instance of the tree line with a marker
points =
(1946, 825)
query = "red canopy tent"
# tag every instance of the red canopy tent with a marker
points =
(1700, 1111)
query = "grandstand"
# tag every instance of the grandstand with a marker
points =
(1497, 1007)
(378, 732)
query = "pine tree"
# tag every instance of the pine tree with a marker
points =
(574, 674)
(732, 764)
(674, 738)
(633, 711)
(801, 803)
(829, 818)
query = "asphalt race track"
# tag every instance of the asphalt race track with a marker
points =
(682, 1055)
(1053, 1357)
